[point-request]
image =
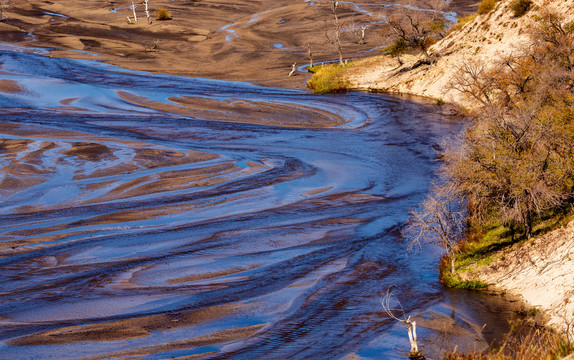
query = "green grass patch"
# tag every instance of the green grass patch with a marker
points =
(483, 244)
(455, 283)
(328, 78)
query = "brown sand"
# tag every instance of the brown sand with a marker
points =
(9, 86)
(89, 151)
(219, 337)
(195, 42)
(131, 328)
(253, 112)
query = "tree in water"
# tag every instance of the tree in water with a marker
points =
(440, 219)
(399, 315)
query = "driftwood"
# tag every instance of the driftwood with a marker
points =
(293, 70)
(414, 353)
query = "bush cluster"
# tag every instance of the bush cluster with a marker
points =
(486, 6)
(520, 7)
(516, 161)
(328, 78)
(163, 14)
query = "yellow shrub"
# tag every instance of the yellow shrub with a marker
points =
(486, 6)
(163, 14)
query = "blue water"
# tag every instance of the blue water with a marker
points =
(182, 225)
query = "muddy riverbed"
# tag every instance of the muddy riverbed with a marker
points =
(156, 216)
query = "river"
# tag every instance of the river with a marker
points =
(153, 216)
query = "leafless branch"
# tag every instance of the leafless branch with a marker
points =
(402, 318)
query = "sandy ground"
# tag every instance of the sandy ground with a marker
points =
(236, 110)
(540, 271)
(240, 40)
(487, 39)
(9, 86)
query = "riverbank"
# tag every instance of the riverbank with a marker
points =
(539, 270)
(484, 40)
(147, 227)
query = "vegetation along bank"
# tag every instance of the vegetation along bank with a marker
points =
(503, 205)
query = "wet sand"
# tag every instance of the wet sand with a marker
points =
(243, 40)
(149, 215)
(135, 230)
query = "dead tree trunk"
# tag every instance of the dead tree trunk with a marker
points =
(134, 10)
(147, 12)
(310, 55)
(414, 353)
(293, 69)
(412, 331)
(337, 40)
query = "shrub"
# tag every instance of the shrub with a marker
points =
(396, 49)
(461, 22)
(466, 19)
(520, 7)
(486, 6)
(522, 343)
(163, 14)
(328, 78)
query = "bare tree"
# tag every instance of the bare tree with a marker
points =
(363, 29)
(440, 220)
(134, 10)
(399, 315)
(475, 81)
(310, 55)
(356, 32)
(418, 29)
(147, 14)
(335, 40)
(293, 69)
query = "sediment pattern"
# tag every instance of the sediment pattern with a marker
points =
(154, 216)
